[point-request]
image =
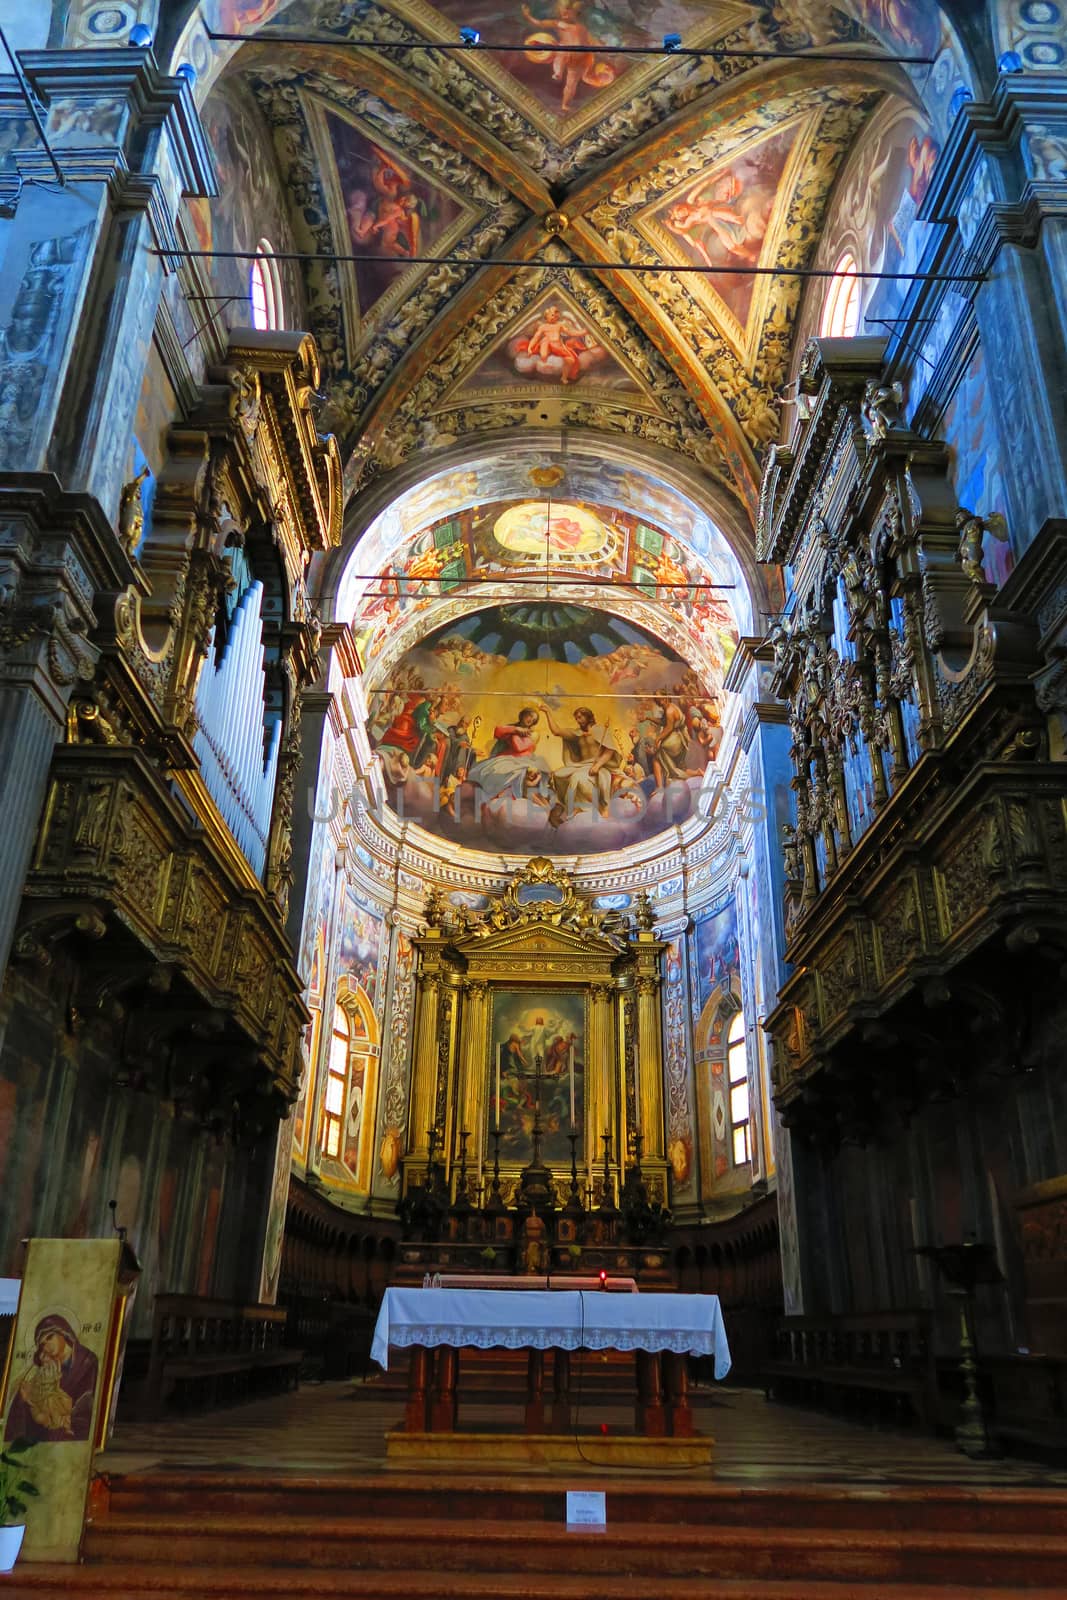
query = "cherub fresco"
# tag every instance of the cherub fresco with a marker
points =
(388, 218)
(570, 47)
(576, 63)
(555, 347)
(721, 218)
(393, 211)
(722, 210)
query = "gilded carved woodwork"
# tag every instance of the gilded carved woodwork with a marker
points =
(539, 933)
(132, 839)
(117, 853)
(929, 841)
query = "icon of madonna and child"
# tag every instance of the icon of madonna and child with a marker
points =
(593, 776)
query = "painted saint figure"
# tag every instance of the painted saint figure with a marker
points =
(513, 757)
(53, 1400)
(590, 761)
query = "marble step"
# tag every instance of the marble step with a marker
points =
(431, 1544)
(518, 1501)
(177, 1582)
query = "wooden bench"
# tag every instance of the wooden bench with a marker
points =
(208, 1353)
(884, 1356)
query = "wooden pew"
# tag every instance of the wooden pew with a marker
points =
(208, 1353)
(884, 1357)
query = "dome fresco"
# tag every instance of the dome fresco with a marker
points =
(544, 727)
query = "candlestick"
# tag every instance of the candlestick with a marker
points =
(571, 1055)
(496, 1099)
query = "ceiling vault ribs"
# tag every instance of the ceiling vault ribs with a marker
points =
(697, 346)
(368, 71)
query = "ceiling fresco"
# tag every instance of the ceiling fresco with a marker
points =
(722, 218)
(608, 313)
(538, 550)
(588, 163)
(543, 726)
(386, 209)
(549, 76)
(552, 345)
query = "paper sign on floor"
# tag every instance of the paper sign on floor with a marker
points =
(586, 1508)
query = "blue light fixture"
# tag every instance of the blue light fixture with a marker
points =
(470, 36)
(1010, 61)
(672, 41)
(960, 96)
(188, 72)
(141, 37)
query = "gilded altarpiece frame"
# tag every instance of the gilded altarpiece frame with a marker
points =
(540, 940)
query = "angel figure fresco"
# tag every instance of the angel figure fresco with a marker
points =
(555, 347)
(721, 210)
(904, 22)
(389, 220)
(576, 63)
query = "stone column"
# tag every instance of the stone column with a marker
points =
(765, 738)
(81, 265)
(308, 800)
(1000, 184)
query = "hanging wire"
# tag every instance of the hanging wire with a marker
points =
(668, 49)
(574, 265)
(31, 105)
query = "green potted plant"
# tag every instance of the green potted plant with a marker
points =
(14, 1485)
(575, 1253)
(489, 1255)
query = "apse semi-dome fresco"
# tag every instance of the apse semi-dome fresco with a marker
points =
(544, 726)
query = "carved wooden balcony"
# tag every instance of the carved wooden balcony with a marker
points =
(928, 862)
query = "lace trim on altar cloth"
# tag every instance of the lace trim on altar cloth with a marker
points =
(652, 1340)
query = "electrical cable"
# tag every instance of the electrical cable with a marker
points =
(31, 106)
(623, 1466)
(574, 265)
(475, 46)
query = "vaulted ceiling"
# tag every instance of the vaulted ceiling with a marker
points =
(594, 164)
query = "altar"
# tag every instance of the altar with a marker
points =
(661, 1330)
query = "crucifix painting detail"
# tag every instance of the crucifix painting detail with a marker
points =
(526, 1026)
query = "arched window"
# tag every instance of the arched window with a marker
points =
(841, 311)
(265, 288)
(737, 1075)
(333, 1100)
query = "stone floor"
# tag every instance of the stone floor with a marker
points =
(340, 1428)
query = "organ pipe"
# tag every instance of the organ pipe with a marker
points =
(238, 764)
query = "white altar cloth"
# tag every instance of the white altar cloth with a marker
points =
(531, 1319)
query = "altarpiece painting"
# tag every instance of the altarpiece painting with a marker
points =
(537, 1049)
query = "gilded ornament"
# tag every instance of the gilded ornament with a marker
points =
(972, 530)
(131, 512)
(880, 411)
